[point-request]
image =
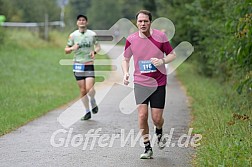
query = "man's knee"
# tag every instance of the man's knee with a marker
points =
(157, 120)
(83, 92)
(143, 116)
(91, 91)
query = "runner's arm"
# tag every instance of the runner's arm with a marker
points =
(125, 69)
(97, 48)
(167, 59)
(69, 49)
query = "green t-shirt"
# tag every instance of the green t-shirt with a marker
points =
(86, 41)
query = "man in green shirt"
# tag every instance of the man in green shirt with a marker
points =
(84, 44)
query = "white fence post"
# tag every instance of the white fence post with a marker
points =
(46, 27)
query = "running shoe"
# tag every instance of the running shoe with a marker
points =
(94, 106)
(161, 142)
(87, 116)
(147, 154)
(95, 110)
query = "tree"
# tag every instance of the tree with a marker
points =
(103, 14)
(129, 8)
(79, 6)
(151, 6)
(30, 10)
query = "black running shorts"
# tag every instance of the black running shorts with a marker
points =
(89, 72)
(154, 96)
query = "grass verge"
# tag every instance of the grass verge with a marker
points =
(32, 80)
(222, 117)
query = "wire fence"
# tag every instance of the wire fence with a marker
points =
(42, 27)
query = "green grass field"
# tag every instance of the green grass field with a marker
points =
(222, 117)
(32, 80)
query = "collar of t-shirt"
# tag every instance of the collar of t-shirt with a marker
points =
(141, 35)
(83, 31)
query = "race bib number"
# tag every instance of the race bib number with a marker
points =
(146, 66)
(77, 67)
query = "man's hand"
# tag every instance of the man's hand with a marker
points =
(157, 62)
(75, 47)
(126, 79)
(69, 49)
(92, 54)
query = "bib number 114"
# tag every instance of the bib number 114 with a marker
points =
(146, 66)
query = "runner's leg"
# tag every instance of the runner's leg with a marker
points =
(83, 93)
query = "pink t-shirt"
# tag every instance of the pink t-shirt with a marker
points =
(142, 50)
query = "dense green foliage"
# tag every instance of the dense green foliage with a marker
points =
(29, 10)
(103, 19)
(220, 31)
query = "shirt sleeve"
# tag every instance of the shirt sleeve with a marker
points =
(167, 48)
(127, 50)
(70, 41)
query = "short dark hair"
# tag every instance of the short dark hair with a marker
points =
(146, 12)
(80, 15)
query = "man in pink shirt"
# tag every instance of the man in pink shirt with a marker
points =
(148, 47)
